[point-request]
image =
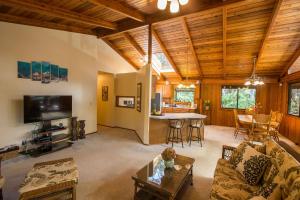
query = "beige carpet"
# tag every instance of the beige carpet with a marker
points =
(107, 161)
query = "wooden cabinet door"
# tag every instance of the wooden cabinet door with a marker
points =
(167, 91)
(159, 89)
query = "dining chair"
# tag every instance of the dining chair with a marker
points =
(239, 128)
(275, 121)
(260, 126)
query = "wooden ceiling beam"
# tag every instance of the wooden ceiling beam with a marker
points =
(295, 57)
(44, 24)
(274, 15)
(126, 25)
(224, 40)
(166, 53)
(120, 53)
(121, 9)
(135, 45)
(188, 37)
(46, 9)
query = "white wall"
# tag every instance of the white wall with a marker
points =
(83, 55)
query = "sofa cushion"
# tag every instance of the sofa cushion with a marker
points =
(271, 172)
(238, 152)
(252, 165)
(272, 190)
(289, 168)
(230, 184)
(44, 175)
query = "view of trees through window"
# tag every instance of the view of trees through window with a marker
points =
(238, 97)
(184, 95)
(294, 99)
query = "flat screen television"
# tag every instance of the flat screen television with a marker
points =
(45, 108)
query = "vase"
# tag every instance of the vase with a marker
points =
(169, 163)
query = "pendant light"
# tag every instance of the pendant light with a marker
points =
(174, 5)
(254, 79)
(183, 2)
(162, 4)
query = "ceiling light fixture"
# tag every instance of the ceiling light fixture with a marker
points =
(174, 5)
(254, 79)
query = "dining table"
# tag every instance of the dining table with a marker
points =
(248, 120)
(245, 119)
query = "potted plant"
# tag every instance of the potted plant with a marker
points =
(168, 155)
(206, 105)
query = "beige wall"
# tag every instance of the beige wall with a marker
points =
(83, 55)
(105, 109)
(126, 85)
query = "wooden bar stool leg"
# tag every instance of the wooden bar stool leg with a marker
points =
(181, 137)
(190, 135)
(173, 135)
(168, 135)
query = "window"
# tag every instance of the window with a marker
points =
(184, 95)
(239, 97)
(294, 99)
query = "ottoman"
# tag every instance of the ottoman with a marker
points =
(51, 180)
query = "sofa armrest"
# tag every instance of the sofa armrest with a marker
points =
(227, 151)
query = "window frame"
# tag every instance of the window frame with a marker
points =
(237, 101)
(289, 97)
(191, 90)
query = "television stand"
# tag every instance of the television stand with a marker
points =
(46, 142)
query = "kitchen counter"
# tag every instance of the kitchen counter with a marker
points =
(179, 109)
(159, 125)
(168, 116)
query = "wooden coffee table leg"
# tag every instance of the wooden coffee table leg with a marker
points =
(1, 196)
(135, 190)
(192, 183)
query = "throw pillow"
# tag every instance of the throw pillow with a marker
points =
(252, 165)
(237, 154)
(272, 190)
(270, 172)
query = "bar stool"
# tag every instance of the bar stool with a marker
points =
(175, 131)
(198, 125)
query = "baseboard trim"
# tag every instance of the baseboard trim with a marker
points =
(91, 133)
(141, 141)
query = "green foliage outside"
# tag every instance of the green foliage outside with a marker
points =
(241, 98)
(294, 102)
(185, 95)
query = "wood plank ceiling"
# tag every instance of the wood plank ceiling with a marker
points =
(218, 39)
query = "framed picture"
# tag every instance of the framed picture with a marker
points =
(36, 71)
(125, 101)
(63, 74)
(104, 93)
(24, 70)
(54, 73)
(139, 97)
(46, 72)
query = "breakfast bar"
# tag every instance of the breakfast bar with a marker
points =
(159, 125)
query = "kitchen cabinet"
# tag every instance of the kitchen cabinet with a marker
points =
(164, 90)
(167, 91)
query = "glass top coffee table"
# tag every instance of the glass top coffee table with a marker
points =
(154, 181)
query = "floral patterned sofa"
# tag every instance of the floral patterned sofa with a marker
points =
(280, 180)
